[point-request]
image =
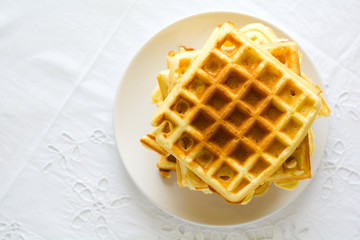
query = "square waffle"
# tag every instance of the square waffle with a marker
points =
(297, 166)
(178, 62)
(237, 114)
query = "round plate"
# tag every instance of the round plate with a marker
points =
(133, 112)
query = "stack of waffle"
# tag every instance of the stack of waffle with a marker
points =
(236, 115)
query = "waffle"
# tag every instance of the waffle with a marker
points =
(260, 33)
(166, 164)
(286, 52)
(297, 166)
(237, 114)
(178, 62)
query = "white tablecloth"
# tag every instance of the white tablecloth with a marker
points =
(60, 173)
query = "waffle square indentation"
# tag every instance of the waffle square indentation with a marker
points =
(275, 148)
(167, 126)
(291, 128)
(218, 100)
(197, 85)
(181, 106)
(257, 133)
(273, 114)
(213, 64)
(254, 96)
(171, 158)
(237, 116)
(234, 80)
(202, 120)
(205, 157)
(229, 45)
(269, 76)
(306, 106)
(183, 66)
(225, 174)
(241, 153)
(259, 167)
(289, 93)
(221, 137)
(249, 59)
(186, 142)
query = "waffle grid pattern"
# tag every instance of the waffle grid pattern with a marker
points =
(245, 111)
(297, 166)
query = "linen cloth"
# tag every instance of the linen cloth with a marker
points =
(60, 174)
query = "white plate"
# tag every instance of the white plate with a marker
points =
(133, 113)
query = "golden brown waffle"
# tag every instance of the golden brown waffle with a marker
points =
(297, 166)
(285, 52)
(166, 164)
(178, 62)
(237, 114)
